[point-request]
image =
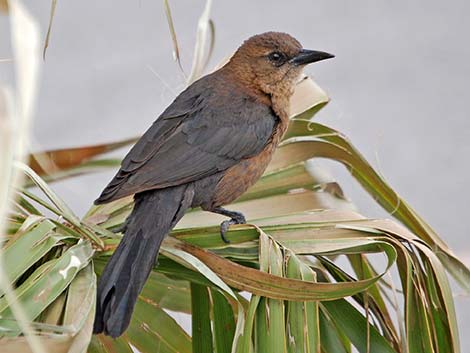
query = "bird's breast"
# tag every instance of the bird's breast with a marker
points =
(238, 178)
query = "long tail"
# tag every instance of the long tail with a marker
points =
(155, 213)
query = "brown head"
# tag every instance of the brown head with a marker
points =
(272, 63)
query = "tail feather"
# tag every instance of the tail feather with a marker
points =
(155, 213)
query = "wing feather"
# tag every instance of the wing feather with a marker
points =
(204, 131)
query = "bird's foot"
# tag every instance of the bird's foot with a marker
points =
(235, 218)
(225, 225)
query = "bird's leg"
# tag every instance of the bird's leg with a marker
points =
(235, 218)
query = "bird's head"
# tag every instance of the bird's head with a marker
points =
(272, 62)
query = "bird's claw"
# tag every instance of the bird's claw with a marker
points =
(225, 225)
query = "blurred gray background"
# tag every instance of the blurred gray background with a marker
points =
(399, 87)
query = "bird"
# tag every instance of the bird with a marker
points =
(205, 150)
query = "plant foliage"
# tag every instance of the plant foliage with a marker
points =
(307, 274)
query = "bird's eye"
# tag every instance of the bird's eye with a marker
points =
(277, 58)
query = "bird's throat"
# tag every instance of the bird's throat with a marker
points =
(280, 105)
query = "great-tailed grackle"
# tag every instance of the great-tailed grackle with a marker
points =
(206, 149)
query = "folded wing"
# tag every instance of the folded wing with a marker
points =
(207, 129)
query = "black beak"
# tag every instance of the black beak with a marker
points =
(309, 56)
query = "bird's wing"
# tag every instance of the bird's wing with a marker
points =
(201, 133)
